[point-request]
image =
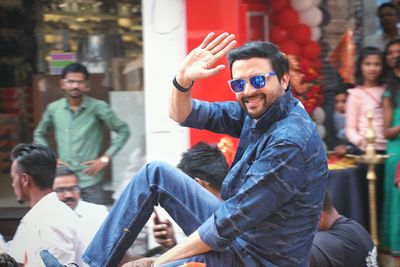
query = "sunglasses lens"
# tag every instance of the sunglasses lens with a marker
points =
(258, 81)
(237, 85)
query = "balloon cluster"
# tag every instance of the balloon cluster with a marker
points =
(296, 30)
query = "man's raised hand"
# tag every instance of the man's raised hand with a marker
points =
(199, 63)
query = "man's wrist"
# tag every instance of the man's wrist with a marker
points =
(105, 159)
(182, 87)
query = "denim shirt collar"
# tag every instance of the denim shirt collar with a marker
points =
(279, 109)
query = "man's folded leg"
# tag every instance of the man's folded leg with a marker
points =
(188, 203)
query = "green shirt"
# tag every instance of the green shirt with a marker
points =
(79, 135)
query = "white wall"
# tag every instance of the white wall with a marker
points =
(164, 46)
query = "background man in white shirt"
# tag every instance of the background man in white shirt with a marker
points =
(91, 216)
(49, 224)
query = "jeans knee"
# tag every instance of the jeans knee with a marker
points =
(158, 169)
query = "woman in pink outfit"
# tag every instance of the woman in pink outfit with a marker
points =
(367, 97)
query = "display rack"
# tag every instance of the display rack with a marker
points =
(65, 26)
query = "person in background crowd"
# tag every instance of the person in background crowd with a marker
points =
(366, 98)
(90, 215)
(78, 122)
(396, 3)
(390, 228)
(387, 13)
(341, 241)
(342, 146)
(208, 167)
(49, 224)
(274, 191)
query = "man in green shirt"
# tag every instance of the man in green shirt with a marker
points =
(78, 122)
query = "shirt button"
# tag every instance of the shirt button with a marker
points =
(67, 130)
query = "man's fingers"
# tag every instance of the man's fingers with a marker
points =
(216, 41)
(160, 234)
(213, 71)
(225, 50)
(160, 226)
(207, 40)
(225, 42)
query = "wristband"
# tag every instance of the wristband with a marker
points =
(179, 87)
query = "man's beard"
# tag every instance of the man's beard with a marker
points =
(70, 201)
(76, 96)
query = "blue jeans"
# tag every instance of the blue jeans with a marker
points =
(188, 203)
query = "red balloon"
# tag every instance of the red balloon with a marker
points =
(311, 50)
(288, 18)
(289, 47)
(278, 35)
(277, 5)
(301, 33)
(317, 65)
(274, 18)
(305, 64)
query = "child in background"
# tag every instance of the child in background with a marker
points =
(364, 98)
(339, 119)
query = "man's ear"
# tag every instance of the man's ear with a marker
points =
(26, 179)
(61, 84)
(202, 182)
(285, 80)
(322, 221)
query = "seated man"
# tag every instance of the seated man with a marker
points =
(207, 166)
(91, 216)
(341, 241)
(49, 224)
(274, 191)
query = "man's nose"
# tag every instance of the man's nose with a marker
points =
(68, 193)
(248, 88)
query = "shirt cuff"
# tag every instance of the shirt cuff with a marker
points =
(209, 234)
(198, 116)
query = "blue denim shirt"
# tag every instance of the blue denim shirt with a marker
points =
(274, 191)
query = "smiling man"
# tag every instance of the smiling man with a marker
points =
(91, 216)
(77, 121)
(272, 194)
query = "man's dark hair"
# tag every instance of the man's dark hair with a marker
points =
(365, 52)
(64, 171)
(205, 162)
(343, 87)
(261, 49)
(36, 160)
(7, 261)
(75, 68)
(328, 205)
(384, 5)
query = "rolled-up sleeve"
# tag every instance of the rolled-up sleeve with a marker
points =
(39, 135)
(218, 117)
(268, 183)
(116, 125)
(352, 118)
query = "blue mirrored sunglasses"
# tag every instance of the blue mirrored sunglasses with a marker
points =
(258, 81)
